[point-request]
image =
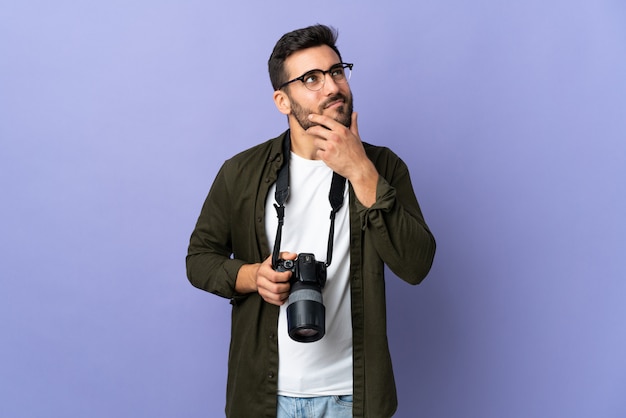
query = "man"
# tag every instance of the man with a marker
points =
(348, 371)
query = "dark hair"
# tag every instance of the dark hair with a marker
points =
(295, 41)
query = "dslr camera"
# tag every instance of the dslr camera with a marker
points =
(306, 315)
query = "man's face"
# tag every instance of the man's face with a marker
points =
(333, 99)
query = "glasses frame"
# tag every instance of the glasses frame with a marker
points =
(343, 65)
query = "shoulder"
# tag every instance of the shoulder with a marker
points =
(256, 156)
(383, 158)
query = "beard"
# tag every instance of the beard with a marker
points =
(343, 116)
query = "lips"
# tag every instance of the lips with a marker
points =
(335, 104)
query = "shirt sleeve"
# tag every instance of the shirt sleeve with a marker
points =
(209, 261)
(394, 224)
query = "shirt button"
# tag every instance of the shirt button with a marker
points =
(259, 219)
(270, 375)
(272, 336)
(267, 180)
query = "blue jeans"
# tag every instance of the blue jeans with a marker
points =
(320, 407)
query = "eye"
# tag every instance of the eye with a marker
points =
(312, 77)
(337, 72)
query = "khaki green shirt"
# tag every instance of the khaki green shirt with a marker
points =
(230, 232)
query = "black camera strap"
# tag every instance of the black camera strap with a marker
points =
(335, 197)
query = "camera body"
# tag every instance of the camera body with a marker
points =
(306, 314)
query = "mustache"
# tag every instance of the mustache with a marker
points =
(332, 99)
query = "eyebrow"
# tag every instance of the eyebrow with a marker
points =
(317, 69)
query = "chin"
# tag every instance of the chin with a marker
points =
(342, 116)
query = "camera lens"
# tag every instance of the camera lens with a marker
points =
(306, 315)
(306, 332)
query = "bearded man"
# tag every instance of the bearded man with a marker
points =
(309, 337)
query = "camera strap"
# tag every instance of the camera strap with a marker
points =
(335, 197)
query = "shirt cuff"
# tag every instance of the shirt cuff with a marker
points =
(385, 199)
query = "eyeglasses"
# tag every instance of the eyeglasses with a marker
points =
(314, 79)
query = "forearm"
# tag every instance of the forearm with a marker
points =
(364, 183)
(246, 278)
(210, 265)
(405, 245)
(396, 229)
(213, 272)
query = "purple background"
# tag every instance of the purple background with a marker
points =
(115, 116)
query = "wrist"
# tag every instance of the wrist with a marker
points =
(246, 278)
(364, 184)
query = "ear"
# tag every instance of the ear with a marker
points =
(282, 102)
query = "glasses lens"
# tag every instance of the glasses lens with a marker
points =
(340, 74)
(314, 80)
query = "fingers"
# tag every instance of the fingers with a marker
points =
(353, 126)
(323, 123)
(328, 128)
(288, 256)
(329, 123)
(273, 286)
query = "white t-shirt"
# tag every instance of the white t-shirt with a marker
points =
(323, 367)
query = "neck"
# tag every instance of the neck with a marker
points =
(302, 144)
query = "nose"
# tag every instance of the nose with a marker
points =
(330, 86)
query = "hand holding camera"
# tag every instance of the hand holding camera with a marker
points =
(272, 286)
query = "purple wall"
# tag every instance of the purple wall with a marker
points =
(115, 116)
